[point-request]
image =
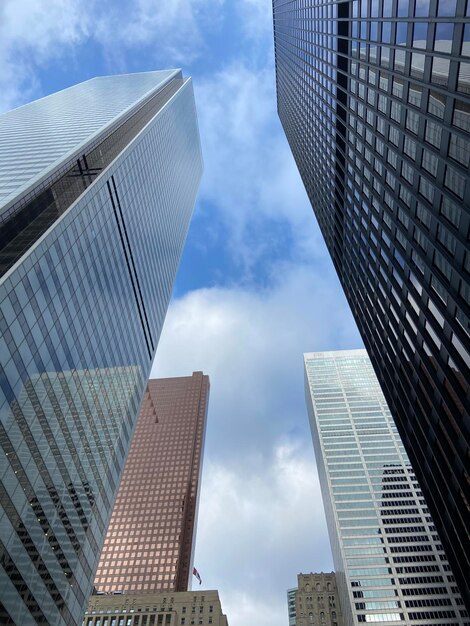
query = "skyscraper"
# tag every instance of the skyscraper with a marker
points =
(390, 564)
(374, 98)
(150, 541)
(97, 186)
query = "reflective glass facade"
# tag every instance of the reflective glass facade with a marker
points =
(81, 312)
(390, 564)
(374, 98)
(150, 541)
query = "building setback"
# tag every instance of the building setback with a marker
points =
(97, 187)
(374, 98)
(150, 541)
(389, 561)
(315, 601)
(156, 609)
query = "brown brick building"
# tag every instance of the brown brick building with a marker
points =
(150, 540)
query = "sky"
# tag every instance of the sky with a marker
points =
(255, 288)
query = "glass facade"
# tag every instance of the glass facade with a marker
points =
(81, 312)
(291, 593)
(150, 541)
(390, 564)
(374, 98)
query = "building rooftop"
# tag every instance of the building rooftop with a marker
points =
(36, 138)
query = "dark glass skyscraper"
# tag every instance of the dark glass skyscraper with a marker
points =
(97, 186)
(374, 98)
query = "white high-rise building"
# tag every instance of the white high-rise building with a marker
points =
(390, 565)
(291, 593)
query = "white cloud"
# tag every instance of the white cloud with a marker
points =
(250, 175)
(173, 28)
(256, 19)
(258, 530)
(251, 343)
(32, 32)
(261, 519)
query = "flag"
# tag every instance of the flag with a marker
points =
(196, 573)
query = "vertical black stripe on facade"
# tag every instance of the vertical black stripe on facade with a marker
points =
(128, 263)
(343, 25)
(132, 263)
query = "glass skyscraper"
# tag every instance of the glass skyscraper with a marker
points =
(97, 187)
(151, 537)
(374, 98)
(390, 564)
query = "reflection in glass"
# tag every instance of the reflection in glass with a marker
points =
(463, 82)
(446, 8)
(422, 8)
(461, 117)
(401, 33)
(415, 93)
(436, 104)
(417, 64)
(444, 36)
(420, 35)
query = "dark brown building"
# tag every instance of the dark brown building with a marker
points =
(150, 540)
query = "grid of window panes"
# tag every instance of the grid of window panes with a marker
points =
(149, 541)
(80, 318)
(306, 86)
(37, 136)
(384, 542)
(397, 222)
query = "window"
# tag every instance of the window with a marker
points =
(429, 162)
(420, 35)
(459, 149)
(454, 181)
(412, 121)
(433, 133)
(450, 211)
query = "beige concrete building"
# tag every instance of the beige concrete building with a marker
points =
(149, 544)
(317, 601)
(183, 608)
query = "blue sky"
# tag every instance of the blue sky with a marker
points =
(255, 288)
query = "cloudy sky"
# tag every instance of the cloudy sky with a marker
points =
(255, 288)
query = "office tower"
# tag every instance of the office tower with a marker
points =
(97, 186)
(150, 541)
(291, 606)
(315, 601)
(390, 565)
(374, 98)
(156, 609)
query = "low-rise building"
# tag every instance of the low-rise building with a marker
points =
(184, 608)
(316, 601)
